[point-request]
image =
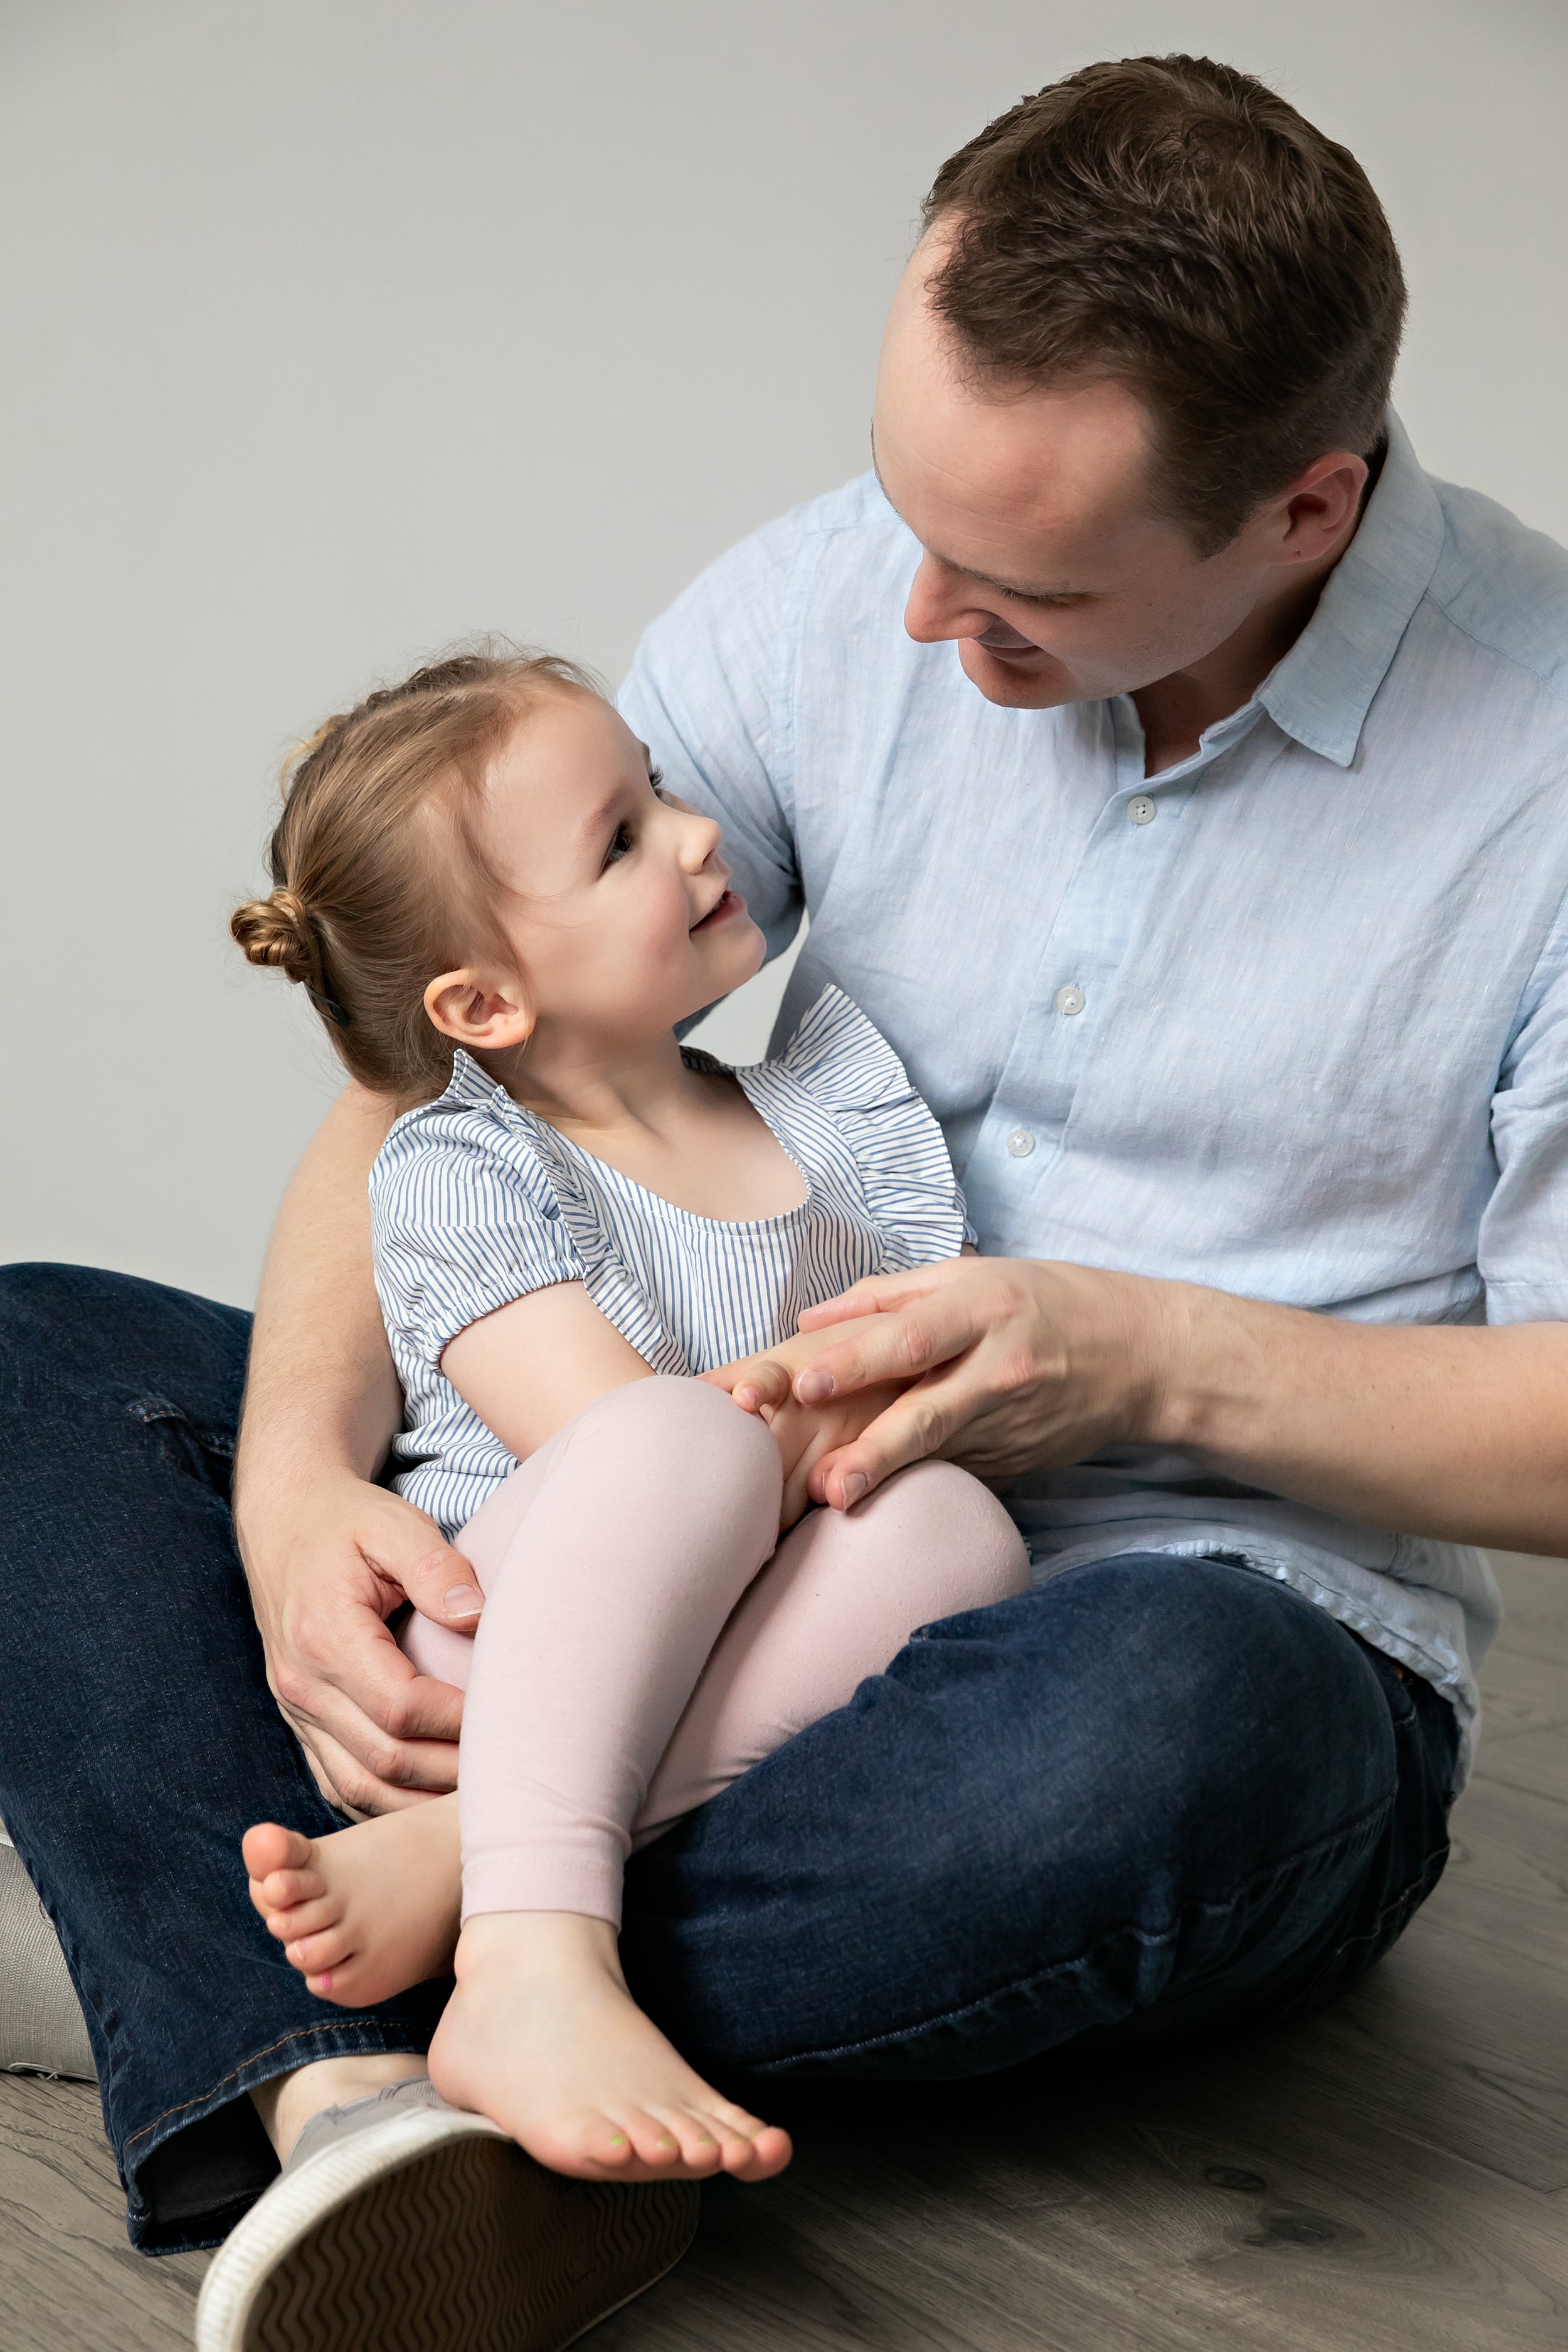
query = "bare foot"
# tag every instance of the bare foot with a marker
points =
(543, 2036)
(369, 1911)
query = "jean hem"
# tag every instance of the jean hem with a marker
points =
(302, 2046)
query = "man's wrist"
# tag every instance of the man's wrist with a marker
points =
(1224, 1366)
(271, 1494)
(1178, 1338)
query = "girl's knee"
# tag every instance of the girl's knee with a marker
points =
(693, 1429)
(671, 1400)
(955, 1520)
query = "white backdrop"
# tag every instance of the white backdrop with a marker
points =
(337, 329)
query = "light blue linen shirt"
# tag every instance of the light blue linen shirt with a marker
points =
(1289, 1019)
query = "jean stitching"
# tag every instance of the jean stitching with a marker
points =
(299, 2034)
(150, 1411)
(1404, 1900)
(1148, 1939)
(1375, 1940)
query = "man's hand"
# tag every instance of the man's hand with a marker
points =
(325, 1574)
(1007, 1365)
(1003, 1364)
(808, 1436)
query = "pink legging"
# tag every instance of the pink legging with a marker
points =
(647, 1636)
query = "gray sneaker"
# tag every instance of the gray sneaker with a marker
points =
(403, 2225)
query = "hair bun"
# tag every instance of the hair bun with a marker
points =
(277, 930)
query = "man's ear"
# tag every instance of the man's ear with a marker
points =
(481, 1011)
(1319, 506)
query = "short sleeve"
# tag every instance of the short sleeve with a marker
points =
(1522, 1248)
(463, 1220)
(848, 1067)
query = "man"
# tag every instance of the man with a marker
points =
(1174, 773)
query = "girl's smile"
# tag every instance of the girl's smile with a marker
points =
(730, 902)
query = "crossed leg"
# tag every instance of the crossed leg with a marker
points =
(632, 1661)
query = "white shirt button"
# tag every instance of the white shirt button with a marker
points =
(1020, 1143)
(1142, 810)
(1070, 999)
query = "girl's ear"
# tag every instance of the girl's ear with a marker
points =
(480, 1010)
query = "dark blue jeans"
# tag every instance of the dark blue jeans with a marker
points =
(1158, 1796)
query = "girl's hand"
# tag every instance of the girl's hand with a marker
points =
(808, 1436)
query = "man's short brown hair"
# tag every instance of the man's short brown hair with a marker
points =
(1175, 224)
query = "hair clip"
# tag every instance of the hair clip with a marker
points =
(328, 1007)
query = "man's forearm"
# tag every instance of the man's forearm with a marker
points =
(321, 1392)
(1012, 1365)
(1456, 1432)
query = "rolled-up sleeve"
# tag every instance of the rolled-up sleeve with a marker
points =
(1523, 1249)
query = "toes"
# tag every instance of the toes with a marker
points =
(313, 1953)
(266, 1847)
(754, 2150)
(602, 2141)
(726, 2114)
(653, 2142)
(762, 2156)
(700, 2144)
(344, 1985)
(281, 1890)
(302, 1920)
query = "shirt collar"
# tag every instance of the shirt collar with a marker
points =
(469, 1084)
(1322, 691)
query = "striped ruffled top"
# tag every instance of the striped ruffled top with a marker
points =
(474, 1201)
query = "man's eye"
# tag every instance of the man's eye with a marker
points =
(620, 842)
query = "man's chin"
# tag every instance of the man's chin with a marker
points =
(1032, 681)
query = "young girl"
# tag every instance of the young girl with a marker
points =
(501, 916)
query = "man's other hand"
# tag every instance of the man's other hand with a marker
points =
(326, 1572)
(1008, 1365)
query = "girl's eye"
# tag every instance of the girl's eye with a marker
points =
(656, 778)
(620, 842)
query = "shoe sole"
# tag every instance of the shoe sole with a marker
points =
(436, 2233)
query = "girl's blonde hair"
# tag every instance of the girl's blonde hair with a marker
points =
(381, 878)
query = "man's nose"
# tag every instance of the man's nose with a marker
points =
(942, 604)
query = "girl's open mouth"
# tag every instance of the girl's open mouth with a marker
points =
(728, 905)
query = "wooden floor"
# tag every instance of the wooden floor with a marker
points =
(1392, 2175)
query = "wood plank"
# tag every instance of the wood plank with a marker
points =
(1511, 1845)
(1524, 1691)
(1533, 1761)
(69, 2281)
(1177, 2205)
(1536, 1595)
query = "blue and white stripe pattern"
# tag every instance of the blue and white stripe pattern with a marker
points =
(474, 1201)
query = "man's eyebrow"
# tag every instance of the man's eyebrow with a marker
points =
(981, 579)
(1011, 587)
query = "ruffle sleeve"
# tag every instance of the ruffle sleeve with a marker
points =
(847, 1067)
(464, 1219)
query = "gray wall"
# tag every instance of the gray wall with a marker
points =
(335, 328)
